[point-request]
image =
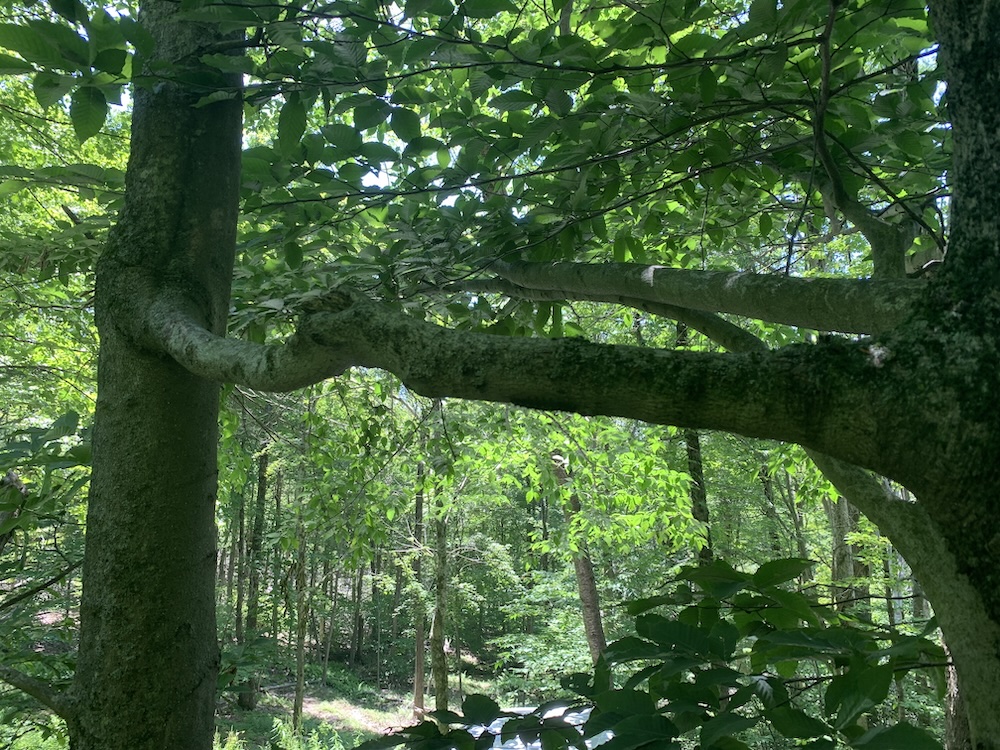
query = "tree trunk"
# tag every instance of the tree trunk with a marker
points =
(301, 623)
(699, 492)
(241, 566)
(250, 690)
(148, 657)
(590, 601)
(276, 565)
(439, 660)
(419, 616)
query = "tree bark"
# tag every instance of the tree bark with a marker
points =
(439, 659)
(583, 566)
(698, 492)
(419, 615)
(148, 656)
(249, 693)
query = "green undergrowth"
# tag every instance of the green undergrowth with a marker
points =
(335, 716)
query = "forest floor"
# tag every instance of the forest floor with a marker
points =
(326, 712)
(340, 714)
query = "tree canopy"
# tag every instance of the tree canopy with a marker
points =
(460, 193)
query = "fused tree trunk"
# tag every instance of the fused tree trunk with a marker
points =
(847, 571)
(148, 657)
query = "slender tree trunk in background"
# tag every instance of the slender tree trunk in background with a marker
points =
(771, 512)
(231, 556)
(276, 564)
(250, 690)
(586, 582)
(543, 511)
(331, 626)
(698, 491)
(301, 623)
(790, 498)
(397, 595)
(848, 572)
(241, 566)
(891, 622)
(439, 660)
(357, 622)
(419, 616)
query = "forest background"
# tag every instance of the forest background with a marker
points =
(449, 161)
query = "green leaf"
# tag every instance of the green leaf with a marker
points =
(487, 8)
(719, 579)
(371, 115)
(343, 136)
(111, 61)
(514, 100)
(899, 737)
(678, 636)
(793, 723)
(479, 709)
(87, 110)
(778, 571)
(377, 152)
(725, 725)
(13, 66)
(405, 123)
(31, 45)
(763, 14)
(293, 255)
(72, 10)
(64, 426)
(856, 691)
(707, 85)
(291, 124)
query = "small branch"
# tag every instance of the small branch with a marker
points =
(7, 603)
(889, 242)
(56, 701)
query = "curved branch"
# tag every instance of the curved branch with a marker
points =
(759, 394)
(889, 242)
(865, 306)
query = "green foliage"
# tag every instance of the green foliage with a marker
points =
(733, 652)
(324, 737)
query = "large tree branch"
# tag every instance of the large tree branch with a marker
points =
(820, 396)
(868, 306)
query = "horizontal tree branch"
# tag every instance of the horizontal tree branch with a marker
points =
(770, 394)
(718, 329)
(865, 306)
